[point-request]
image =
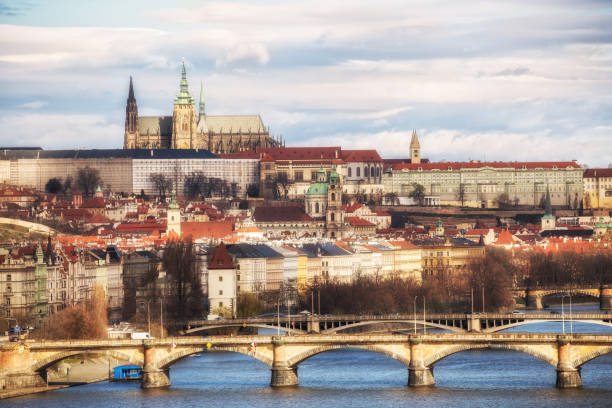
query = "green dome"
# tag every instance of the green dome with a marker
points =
(317, 189)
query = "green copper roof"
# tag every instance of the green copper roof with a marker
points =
(334, 177)
(183, 97)
(317, 189)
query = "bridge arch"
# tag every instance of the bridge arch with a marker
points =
(448, 351)
(178, 355)
(567, 321)
(258, 325)
(298, 358)
(47, 362)
(592, 355)
(406, 322)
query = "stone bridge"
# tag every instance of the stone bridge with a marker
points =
(533, 296)
(457, 322)
(24, 364)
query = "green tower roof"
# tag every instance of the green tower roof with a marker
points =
(317, 189)
(183, 97)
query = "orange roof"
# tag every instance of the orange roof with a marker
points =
(403, 244)
(207, 229)
(504, 238)
(221, 259)
(359, 222)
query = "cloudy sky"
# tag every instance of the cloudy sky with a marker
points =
(488, 80)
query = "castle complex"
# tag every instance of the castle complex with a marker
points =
(188, 129)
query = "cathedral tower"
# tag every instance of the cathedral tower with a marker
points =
(184, 118)
(131, 120)
(415, 148)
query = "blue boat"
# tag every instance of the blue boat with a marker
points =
(127, 373)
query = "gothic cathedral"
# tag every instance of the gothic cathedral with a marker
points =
(188, 129)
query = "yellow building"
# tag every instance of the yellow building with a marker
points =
(597, 188)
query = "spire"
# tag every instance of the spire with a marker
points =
(547, 206)
(414, 141)
(131, 92)
(183, 97)
(202, 104)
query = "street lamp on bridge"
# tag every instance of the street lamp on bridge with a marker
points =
(569, 295)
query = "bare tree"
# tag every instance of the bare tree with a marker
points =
(461, 194)
(162, 183)
(417, 193)
(88, 179)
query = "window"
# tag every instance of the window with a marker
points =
(220, 304)
(333, 196)
(7, 300)
(8, 277)
(350, 172)
(372, 171)
(358, 171)
(220, 292)
(220, 278)
(365, 171)
(332, 217)
(299, 176)
(8, 289)
(316, 207)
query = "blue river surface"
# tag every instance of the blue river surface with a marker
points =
(355, 378)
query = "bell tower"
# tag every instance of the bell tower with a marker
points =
(184, 118)
(130, 140)
(415, 148)
(334, 217)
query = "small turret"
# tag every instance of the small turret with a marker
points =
(202, 111)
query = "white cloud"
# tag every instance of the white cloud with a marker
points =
(56, 131)
(33, 105)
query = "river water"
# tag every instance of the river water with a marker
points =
(354, 378)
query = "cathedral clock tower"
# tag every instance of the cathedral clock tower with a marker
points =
(184, 118)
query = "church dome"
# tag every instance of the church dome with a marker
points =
(317, 189)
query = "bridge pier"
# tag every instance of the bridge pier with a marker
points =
(153, 376)
(474, 324)
(567, 375)
(283, 375)
(313, 325)
(533, 300)
(419, 375)
(605, 297)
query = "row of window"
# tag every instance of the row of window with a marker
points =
(373, 172)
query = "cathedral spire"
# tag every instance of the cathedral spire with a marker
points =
(202, 104)
(183, 97)
(131, 92)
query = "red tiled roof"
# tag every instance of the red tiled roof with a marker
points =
(478, 165)
(359, 222)
(276, 214)
(360, 156)
(382, 213)
(301, 153)
(352, 208)
(596, 173)
(207, 229)
(221, 259)
(140, 227)
(403, 244)
(245, 154)
(504, 238)
(95, 202)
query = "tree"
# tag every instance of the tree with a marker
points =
(196, 185)
(417, 193)
(494, 274)
(248, 305)
(253, 190)
(67, 184)
(461, 194)
(281, 182)
(162, 183)
(184, 291)
(88, 180)
(391, 199)
(53, 186)
(503, 200)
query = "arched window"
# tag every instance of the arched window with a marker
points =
(365, 171)
(333, 196)
(332, 217)
(358, 171)
(350, 172)
(377, 171)
(317, 208)
(333, 234)
(372, 171)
